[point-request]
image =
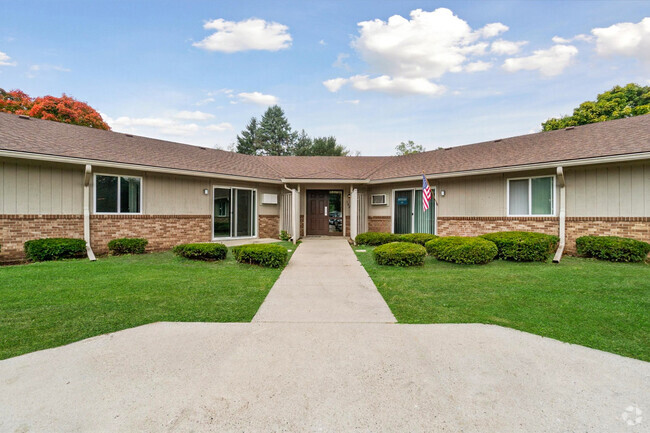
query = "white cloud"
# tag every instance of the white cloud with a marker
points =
(219, 127)
(335, 84)
(250, 34)
(206, 101)
(548, 62)
(257, 98)
(561, 40)
(193, 115)
(322, 42)
(625, 39)
(340, 61)
(493, 29)
(5, 60)
(501, 47)
(428, 45)
(350, 101)
(478, 66)
(397, 85)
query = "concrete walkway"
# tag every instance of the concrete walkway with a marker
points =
(324, 282)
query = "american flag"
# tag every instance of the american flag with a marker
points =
(426, 194)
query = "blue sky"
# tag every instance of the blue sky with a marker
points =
(451, 73)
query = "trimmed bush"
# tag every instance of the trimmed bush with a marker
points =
(267, 255)
(462, 250)
(375, 238)
(417, 238)
(285, 236)
(203, 251)
(128, 246)
(523, 246)
(399, 254)
(613, 248)
(40, 250)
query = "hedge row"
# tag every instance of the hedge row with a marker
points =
(523, 246)
(462, 250)
(202, 251)
(613, 248)
(128, 246)
(400, 254)
(39, 250)
(267, 255)
(381, 238)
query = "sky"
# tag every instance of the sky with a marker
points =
(371, 73)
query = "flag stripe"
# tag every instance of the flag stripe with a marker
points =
(426, 194)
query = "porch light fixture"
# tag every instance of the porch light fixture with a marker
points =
(206, 192)
(442, 193)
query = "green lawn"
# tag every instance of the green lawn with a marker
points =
(583, 301)
(49, 304)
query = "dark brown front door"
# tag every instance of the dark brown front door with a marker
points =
(318, 212)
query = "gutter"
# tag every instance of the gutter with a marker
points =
(295, 213)
(330, 181)
(87, 177)
(562, 218)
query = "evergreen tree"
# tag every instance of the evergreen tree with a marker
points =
(248, 143)
(327, 146)
(302, 145)
(275, 135)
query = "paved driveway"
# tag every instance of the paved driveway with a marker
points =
(288, 374)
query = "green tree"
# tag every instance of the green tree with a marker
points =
(408, 148)
(275, 134)
(248, 143)
(303, 144)
(327, 146)
(617, 103)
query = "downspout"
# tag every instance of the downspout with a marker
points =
(294, 194)
(87, 176)
(562, 218)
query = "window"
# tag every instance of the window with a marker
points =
(408, 214)
(117, 194)
(531, 196)
(234, 212)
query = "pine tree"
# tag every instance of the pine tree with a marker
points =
(248, 143)
(275, 135)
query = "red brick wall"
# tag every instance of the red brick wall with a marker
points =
(379, 224)
(162, 231)
(474, 226)
(347, 225)
(269, 226)
(15, 230)
(627, 227)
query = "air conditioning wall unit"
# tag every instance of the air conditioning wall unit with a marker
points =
(269, 199)
(378, 200)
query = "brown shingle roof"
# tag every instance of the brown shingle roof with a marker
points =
(616, 137)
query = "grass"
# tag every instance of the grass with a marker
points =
(49, 304)
(583, 301)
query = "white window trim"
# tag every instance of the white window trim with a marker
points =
(119, 198)
(233, 211)
(434, 205)
(530, 196)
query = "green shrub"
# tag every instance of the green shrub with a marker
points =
(40, 250)
(267, 255)
(128, 246)
(285, 236)
(417, 238)
(203, 251)
(523, 246)
(400, 254)
(613, 248)
(375, 238)
(463, 250)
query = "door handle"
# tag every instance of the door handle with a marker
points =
(325, 210)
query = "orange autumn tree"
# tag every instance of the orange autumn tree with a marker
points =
(64, 109)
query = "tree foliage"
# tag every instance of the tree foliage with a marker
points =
(273, 135)
(617, 103)
(64, 109)
(409, 147)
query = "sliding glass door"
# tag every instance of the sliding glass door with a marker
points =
(408, 214)
(234, 212)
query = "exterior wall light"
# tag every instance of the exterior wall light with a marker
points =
(442, 193)
(206, 192)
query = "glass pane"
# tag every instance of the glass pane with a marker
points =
(403, 211)
(519, 197)
(129, 195)
(244, 212)
(106, 194)
(424, 220)
(221, 212)
(335, 212)
(542, 191)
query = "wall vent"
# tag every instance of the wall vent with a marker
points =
(23, 116)
(569, 128)
(129, 135)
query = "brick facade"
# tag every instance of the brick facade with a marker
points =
(15, 230)
(379, 224)
(269, 226)
(474, 226)
(162, 231)
(627, 227)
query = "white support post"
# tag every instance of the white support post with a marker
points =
(354, 214)
(87, 176)
(295, 209)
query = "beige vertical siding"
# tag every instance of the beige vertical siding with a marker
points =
(40, 189)
(621, 190)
